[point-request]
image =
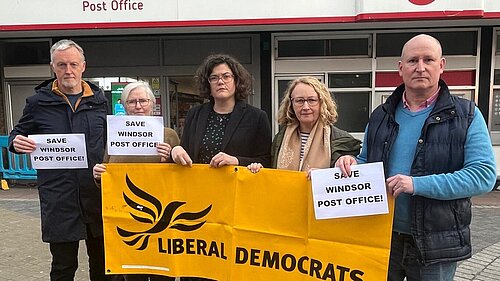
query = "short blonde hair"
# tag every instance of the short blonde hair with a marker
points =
(328, 108)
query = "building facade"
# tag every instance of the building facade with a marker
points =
(352, 46)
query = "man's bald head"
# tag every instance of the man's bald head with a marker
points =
(427, 40)
(421, 66)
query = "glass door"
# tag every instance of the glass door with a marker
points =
(182, 96)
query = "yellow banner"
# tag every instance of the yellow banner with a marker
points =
(230, 224)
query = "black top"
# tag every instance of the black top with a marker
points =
(212, 139)
(73, 99)
(247, 134)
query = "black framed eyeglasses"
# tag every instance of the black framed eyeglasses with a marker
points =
(226, 78)
(302, 101)
(142, 102)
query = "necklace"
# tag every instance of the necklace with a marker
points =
(221, 117)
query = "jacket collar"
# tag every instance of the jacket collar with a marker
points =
(48, 95)
(87, 90)
(444, 99)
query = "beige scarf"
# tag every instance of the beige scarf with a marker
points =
(317, 151)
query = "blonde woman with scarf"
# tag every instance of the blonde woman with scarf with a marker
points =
(308, 138)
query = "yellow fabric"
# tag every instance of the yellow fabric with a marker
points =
(236, 225)
(317, 151)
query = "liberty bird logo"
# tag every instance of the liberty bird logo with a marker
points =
(158, 218)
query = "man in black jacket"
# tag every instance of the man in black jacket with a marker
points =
(69, 200)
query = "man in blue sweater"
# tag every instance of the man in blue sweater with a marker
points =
(437, 153)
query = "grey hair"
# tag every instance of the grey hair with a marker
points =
(134, 85)
(65, 44)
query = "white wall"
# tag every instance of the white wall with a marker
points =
(26, 14)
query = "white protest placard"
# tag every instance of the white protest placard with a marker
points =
(362, 193)
(134, 135)
(59, 151)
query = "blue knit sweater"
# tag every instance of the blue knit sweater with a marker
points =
(479, 164)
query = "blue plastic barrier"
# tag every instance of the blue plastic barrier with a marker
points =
(14, 166)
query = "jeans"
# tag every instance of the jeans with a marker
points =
(404, 263)
(65, 259)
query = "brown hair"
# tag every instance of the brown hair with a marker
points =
(242, 78)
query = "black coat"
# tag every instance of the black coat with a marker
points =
(247, 135)
(69, 198)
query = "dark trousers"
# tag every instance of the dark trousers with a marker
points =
(65, 259)
(404, 263)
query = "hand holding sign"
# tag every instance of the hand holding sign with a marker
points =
(361, 192)
(23, 144)
(134, 135)
(59, 151)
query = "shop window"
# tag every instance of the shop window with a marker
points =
(187, 51)
(336, 47)
(453, 42)
(495, 112)
(353, 110)
(118, 52)
(498, 45)
(26, 53)
(350, 80)
(282, 85)
(302, 48)
(350, 47)
(465, 94)
(496, 78)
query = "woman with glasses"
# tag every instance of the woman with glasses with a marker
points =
(226, 130)
(307, 138)
(138, 99)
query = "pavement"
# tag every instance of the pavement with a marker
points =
(24, 257)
